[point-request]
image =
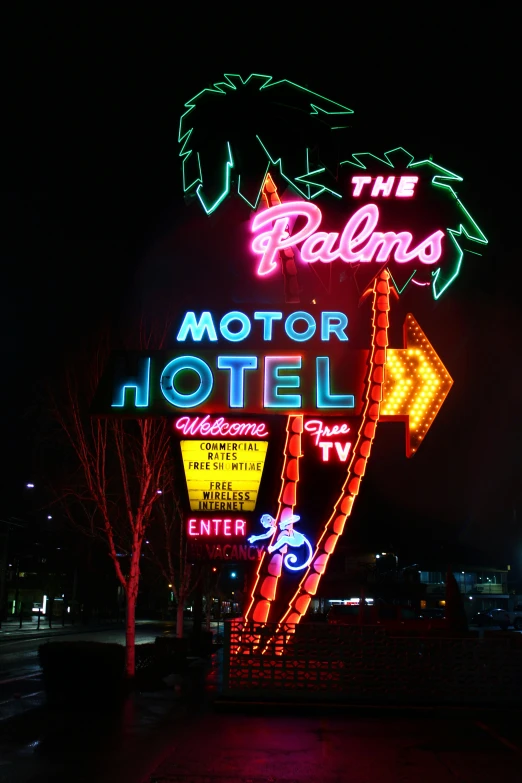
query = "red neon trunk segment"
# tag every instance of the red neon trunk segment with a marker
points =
(269, 569)
(362, 449)
(270, 566)
(286, 256)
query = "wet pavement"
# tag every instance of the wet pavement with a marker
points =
(368, 746)
(97, 742)
(154, 738)
(89, 744)
(188, 735)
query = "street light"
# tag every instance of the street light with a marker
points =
(30, 486)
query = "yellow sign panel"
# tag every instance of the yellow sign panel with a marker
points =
(223, 475)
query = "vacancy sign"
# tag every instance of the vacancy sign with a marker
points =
(223, 475)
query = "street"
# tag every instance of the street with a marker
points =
(19, 655)
(20, 674)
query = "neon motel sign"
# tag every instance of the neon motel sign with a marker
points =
(302, 376)
(280, 380)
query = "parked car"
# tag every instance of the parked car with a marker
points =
(433, 614)
(516, 617)
(348, 614)
(495, 617)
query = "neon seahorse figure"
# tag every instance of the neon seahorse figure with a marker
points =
(285, 538)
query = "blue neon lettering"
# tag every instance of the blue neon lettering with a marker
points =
(300, 315)
(273, 382)
(139, 382)
(182, 363)
(334, 323)
(237, 366)
(235, 337)
(268, 317)
(197, 328)
(325, 399)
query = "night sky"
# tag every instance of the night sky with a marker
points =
(91, 201)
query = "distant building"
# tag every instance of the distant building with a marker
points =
(483, 588)
(376, 576)
(421, 585)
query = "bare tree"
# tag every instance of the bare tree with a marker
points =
(115, 469)
(169, 549)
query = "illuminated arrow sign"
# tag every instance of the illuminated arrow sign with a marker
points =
(416, 384)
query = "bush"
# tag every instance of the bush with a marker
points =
(154, 662)
(201, 643)
(82, 670)
(172, 646)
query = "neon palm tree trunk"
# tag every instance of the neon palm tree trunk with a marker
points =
(287, 256)
(357, 466)
(269, 569)
(270, 566)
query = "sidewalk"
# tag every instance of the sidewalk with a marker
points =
(13, 626)
(102, 742)
(11, 630)
(176, 735)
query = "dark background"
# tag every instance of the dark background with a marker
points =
(91, 194)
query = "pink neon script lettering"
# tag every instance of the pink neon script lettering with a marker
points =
(359, 228)
(220, 427)
(270, 242)
(320, 430)
(358, 242)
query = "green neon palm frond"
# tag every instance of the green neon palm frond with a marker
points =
(233, 131)
(395, 158)
(465, 229)
(323, 181)
(460, 233)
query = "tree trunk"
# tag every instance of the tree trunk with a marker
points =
(208, 606)
(197, 611)
(130, 635)
(179, 618)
